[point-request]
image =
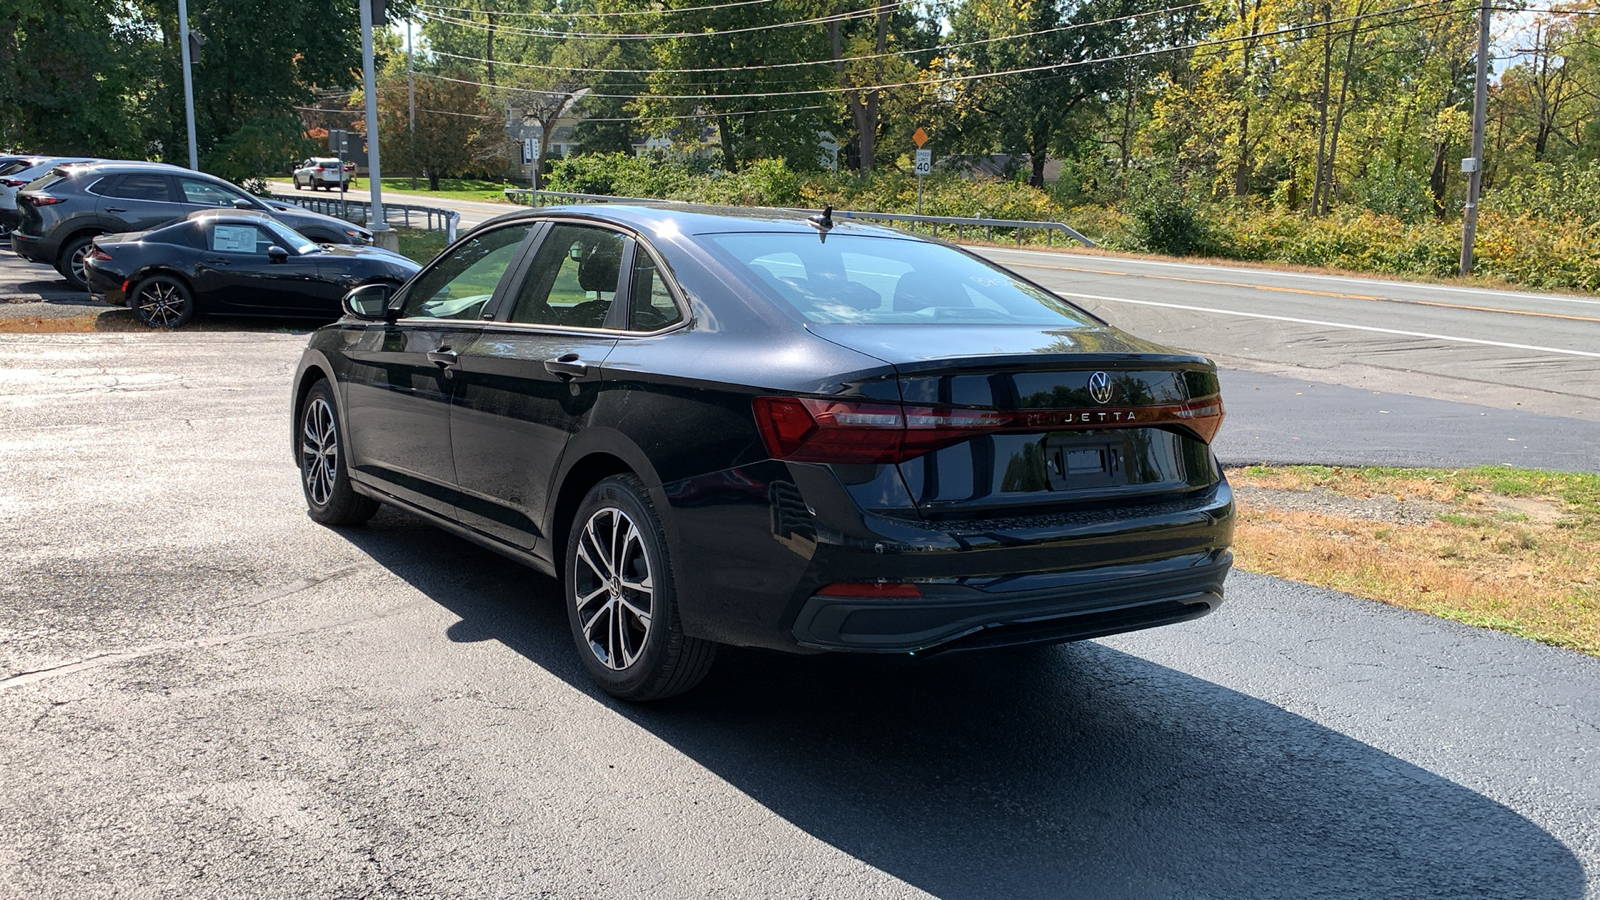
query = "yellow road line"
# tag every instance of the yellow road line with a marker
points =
(1342, 296)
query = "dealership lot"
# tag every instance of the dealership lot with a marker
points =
(205, 693)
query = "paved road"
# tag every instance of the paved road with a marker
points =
(203, 693)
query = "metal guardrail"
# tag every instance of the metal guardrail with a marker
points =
(403, 215)
(960, 223)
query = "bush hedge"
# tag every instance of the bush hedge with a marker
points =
(1560, 251)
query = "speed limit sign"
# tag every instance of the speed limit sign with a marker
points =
(924, 162)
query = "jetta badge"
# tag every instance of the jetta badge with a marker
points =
(1100, 387)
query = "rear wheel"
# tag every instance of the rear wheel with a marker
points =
(73, 256)
(621, 602)
(323, 476)
(163, 302)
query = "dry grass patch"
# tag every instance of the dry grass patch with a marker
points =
(1511, 549)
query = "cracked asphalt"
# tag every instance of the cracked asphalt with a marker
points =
(205, 694)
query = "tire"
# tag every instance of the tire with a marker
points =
(162, 301)
(621, 602)
(71, 264)
(297, 184)
(324, 479)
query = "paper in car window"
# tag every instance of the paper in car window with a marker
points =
(234, 238)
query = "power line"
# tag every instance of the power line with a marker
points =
(643, 36)
(825, 62)
(980, 76)
(590, 15)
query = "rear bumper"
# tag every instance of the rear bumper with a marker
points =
(753, 546)
(105, 286)
(33, 249)
(1101, 601)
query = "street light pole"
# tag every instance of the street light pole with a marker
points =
(188, 81)
(382, 236)
(411, 105)
(1474, 165)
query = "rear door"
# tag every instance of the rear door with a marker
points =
(137, 201)
(530, 380)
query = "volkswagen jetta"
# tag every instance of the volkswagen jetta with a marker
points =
(734, 427)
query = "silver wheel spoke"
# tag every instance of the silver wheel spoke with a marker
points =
(613, 588)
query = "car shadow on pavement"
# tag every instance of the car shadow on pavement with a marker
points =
(1066, 771)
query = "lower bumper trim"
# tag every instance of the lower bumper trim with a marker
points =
(967, 619)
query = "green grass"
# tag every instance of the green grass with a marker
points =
(450, 188)
(420, 244)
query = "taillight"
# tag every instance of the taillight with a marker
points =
(806, 429)
(42, 200)
(99, 254)
(12, 182)
(317, 169)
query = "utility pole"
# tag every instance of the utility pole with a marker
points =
(411, 104)
(382, 236)
(1473, 165)
(188, 80)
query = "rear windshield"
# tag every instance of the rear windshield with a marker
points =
(856, 279)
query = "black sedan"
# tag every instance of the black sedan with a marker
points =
(774, 432)
(233, 263)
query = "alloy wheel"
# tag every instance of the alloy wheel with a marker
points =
(614, 588)
(319, 451)
(79, 271)
(162, 304)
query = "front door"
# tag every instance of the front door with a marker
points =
(235, 274)
(402, 376)
(530, 381)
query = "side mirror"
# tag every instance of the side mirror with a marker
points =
(277, 254)
(370, 302)
(242, 203)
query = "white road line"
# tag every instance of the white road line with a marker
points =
(1247, 315)
(1341, 279)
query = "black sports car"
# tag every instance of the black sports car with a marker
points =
(770, 431)
(235, 263)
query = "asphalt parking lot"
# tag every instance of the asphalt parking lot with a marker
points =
(204, 693)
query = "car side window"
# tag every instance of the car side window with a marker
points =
(235, 238)
(573, 279)
(136, 187)
(205, 194)
(462, 282)
(653, 308)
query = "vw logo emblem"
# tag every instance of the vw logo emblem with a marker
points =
(1100, 387)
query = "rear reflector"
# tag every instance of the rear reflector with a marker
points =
(807, 429)
(871, 590)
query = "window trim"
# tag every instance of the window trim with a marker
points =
(632, 241)
(511, 274)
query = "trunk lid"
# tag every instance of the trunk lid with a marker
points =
(1095, 416)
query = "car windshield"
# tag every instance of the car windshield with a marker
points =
(857, 279)
(293, 240)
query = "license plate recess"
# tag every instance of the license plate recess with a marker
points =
(1075, 461)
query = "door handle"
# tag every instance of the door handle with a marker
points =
(218, 262)
(444, 357)
(567, 365)
(116, 209)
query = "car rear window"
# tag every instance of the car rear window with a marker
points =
(134, 187)
(857, 279)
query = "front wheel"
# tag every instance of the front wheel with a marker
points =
(324, 478)
(621, 602)
(163, 302)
